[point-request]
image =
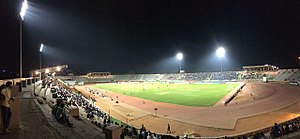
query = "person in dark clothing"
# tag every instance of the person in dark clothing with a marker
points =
(169, 129)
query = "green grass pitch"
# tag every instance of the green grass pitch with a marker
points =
(182, 94)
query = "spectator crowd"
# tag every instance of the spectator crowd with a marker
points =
(101, 119)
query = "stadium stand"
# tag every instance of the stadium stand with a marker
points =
(134, 132)
(295, 77)
(130, 132)
(200, 76)
(283, 75)
(229, 75)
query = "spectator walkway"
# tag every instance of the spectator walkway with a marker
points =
(36, 122)
(33, 124)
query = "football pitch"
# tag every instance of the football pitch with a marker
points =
(181, 94)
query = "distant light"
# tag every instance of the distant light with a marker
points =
(36, 72)
(41, 48)
(3, 70)
(23, 9)
(179, 56)
(299, 57)
(58, 68)
(47, 71)
(220, 52)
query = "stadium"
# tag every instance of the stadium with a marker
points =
(204, 104)
(123, 81)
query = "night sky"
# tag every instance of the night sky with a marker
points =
(137, 36)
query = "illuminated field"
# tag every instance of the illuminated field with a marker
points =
(182, 94)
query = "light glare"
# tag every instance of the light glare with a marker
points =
(41, 48)
(23, 9)
(179, 56)
(220, 52)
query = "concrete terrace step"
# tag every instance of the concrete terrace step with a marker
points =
(37, 122)
(81, 129)
(32, 124)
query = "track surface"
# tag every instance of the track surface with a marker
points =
(259, 105)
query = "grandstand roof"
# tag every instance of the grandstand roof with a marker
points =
(266, 66)
(98, 72)
(51, 69)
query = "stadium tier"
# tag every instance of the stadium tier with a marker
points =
(195, 101)
(279, 75)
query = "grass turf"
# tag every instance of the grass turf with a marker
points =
(182, 94)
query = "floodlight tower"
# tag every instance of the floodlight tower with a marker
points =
(221, 54)
(179, 57)
(41, 50)
(22, 15)
(299, 58)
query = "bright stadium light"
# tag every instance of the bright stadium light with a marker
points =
(179, 57)
(22, 15)
(23, 9)
(221, 54)
(41, 47)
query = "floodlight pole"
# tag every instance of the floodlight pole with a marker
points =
(33, 83)
(180, 66)
(299, 60)
(21, 56)
(41, 50)
(221, 65)
(220, 53)
(40, 65)
(22, 14)
(179, 57)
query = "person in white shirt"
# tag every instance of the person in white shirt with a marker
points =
(5, 106)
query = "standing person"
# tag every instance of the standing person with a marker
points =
(169, 129)
(5, 107)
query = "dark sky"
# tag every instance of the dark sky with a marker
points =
(125, 36)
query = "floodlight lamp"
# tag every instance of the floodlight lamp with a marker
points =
(23, 9)
(58, 68)
(220, 52)
(47, 71)
(179, 56)
(41, 48)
